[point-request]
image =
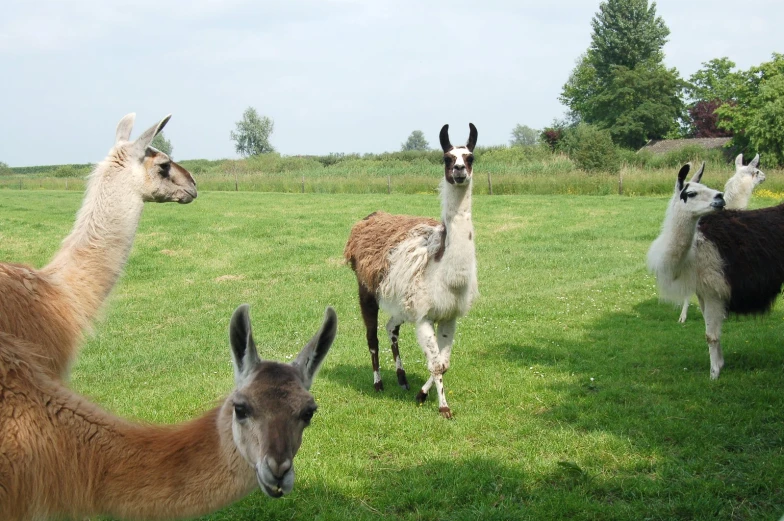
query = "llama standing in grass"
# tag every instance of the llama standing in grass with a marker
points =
(732, 259)
(52, 307)
(737, 192)
(64, 457)
(421, 271)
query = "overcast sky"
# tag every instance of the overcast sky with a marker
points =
(334, 75)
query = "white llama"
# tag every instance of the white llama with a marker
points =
(64, 457)
(737, 192)
(52, 307)
(420, 271)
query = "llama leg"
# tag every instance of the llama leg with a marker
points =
(713, 312)
(422, 394)
(393, 330)
(369, 307)
(684, 311)
(445, 337)
(426, 336)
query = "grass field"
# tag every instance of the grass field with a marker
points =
(576, 394)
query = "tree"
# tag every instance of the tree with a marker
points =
(756, 114)
(704, 122)
(4, 169)
(524, 135)
(252, 135)
(590, 148)
(161, 143)
(415, 141)
(626, 33)
(639, 104)
(620, 83)
(715, 81)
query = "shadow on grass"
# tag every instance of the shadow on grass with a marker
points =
(361, 380)
(643, 377)
(476, 488)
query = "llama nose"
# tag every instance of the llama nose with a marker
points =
(278, 469)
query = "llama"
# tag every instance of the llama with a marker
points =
(737, 192)
(732, 259)
(64, 457)
(53, 307)
(420, 271)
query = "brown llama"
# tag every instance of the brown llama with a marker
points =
(53, 307)
(64, 457)
(421, 271)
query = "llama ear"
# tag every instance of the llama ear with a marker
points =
(143, 141)
(443, 136)
(472, 135)
(682, 176)
(755, 162)
(124, 128)
(698, 176)
(312, 355)
(243, 349)
(739, 161)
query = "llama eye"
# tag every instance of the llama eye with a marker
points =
(240, 411)
(691, 194)
(306, 416)
(165, 169)
(470, 160)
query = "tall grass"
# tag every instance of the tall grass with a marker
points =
(509, 170)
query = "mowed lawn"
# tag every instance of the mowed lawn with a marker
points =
(576, 393)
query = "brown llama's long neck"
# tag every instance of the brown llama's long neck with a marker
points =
(131, 471)
(92, 257)
(174, 472)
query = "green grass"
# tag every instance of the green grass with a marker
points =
(577, 395)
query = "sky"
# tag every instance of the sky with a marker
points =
(334, 75)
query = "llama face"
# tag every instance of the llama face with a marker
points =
(695, 198)
(153, 174)
(270, 415)
(271, 404)
(757, 176)
(458, 161)
(166, 181)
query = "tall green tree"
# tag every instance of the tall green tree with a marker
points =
(620, 84)
(626, 33)
(161, 143)
(756, 113)
(416, 141)
(253, 133)
(524, 135)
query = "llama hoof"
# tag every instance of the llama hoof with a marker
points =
(402, 381)
(378, 386)
(445, 412)
(421, 397)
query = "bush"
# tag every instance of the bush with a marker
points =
(591, 149)
(70, 171)
(4, 170)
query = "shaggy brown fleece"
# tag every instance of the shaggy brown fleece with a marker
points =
(37, 311)
(371, 240)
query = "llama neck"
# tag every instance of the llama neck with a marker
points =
(674, 248)
(456, 215)
(166, 472)
(93, 255)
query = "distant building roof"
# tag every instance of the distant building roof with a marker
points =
(662, 146)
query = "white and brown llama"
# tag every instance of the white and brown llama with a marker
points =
(737, 193)
(732, 259)
(65, 457)
(420, 271)
(53, 307)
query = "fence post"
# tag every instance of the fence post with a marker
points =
(20, 183)
(66, 184)
(389, 185)
(236, 182)
(489, 184)
(620, 182)
(303, 184)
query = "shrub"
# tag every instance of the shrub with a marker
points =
(70, 171)
(591, 149)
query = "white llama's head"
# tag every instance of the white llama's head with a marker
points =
(458, 161)
(693, 197)
(271, 402)
(153, 174)
(757, 176)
